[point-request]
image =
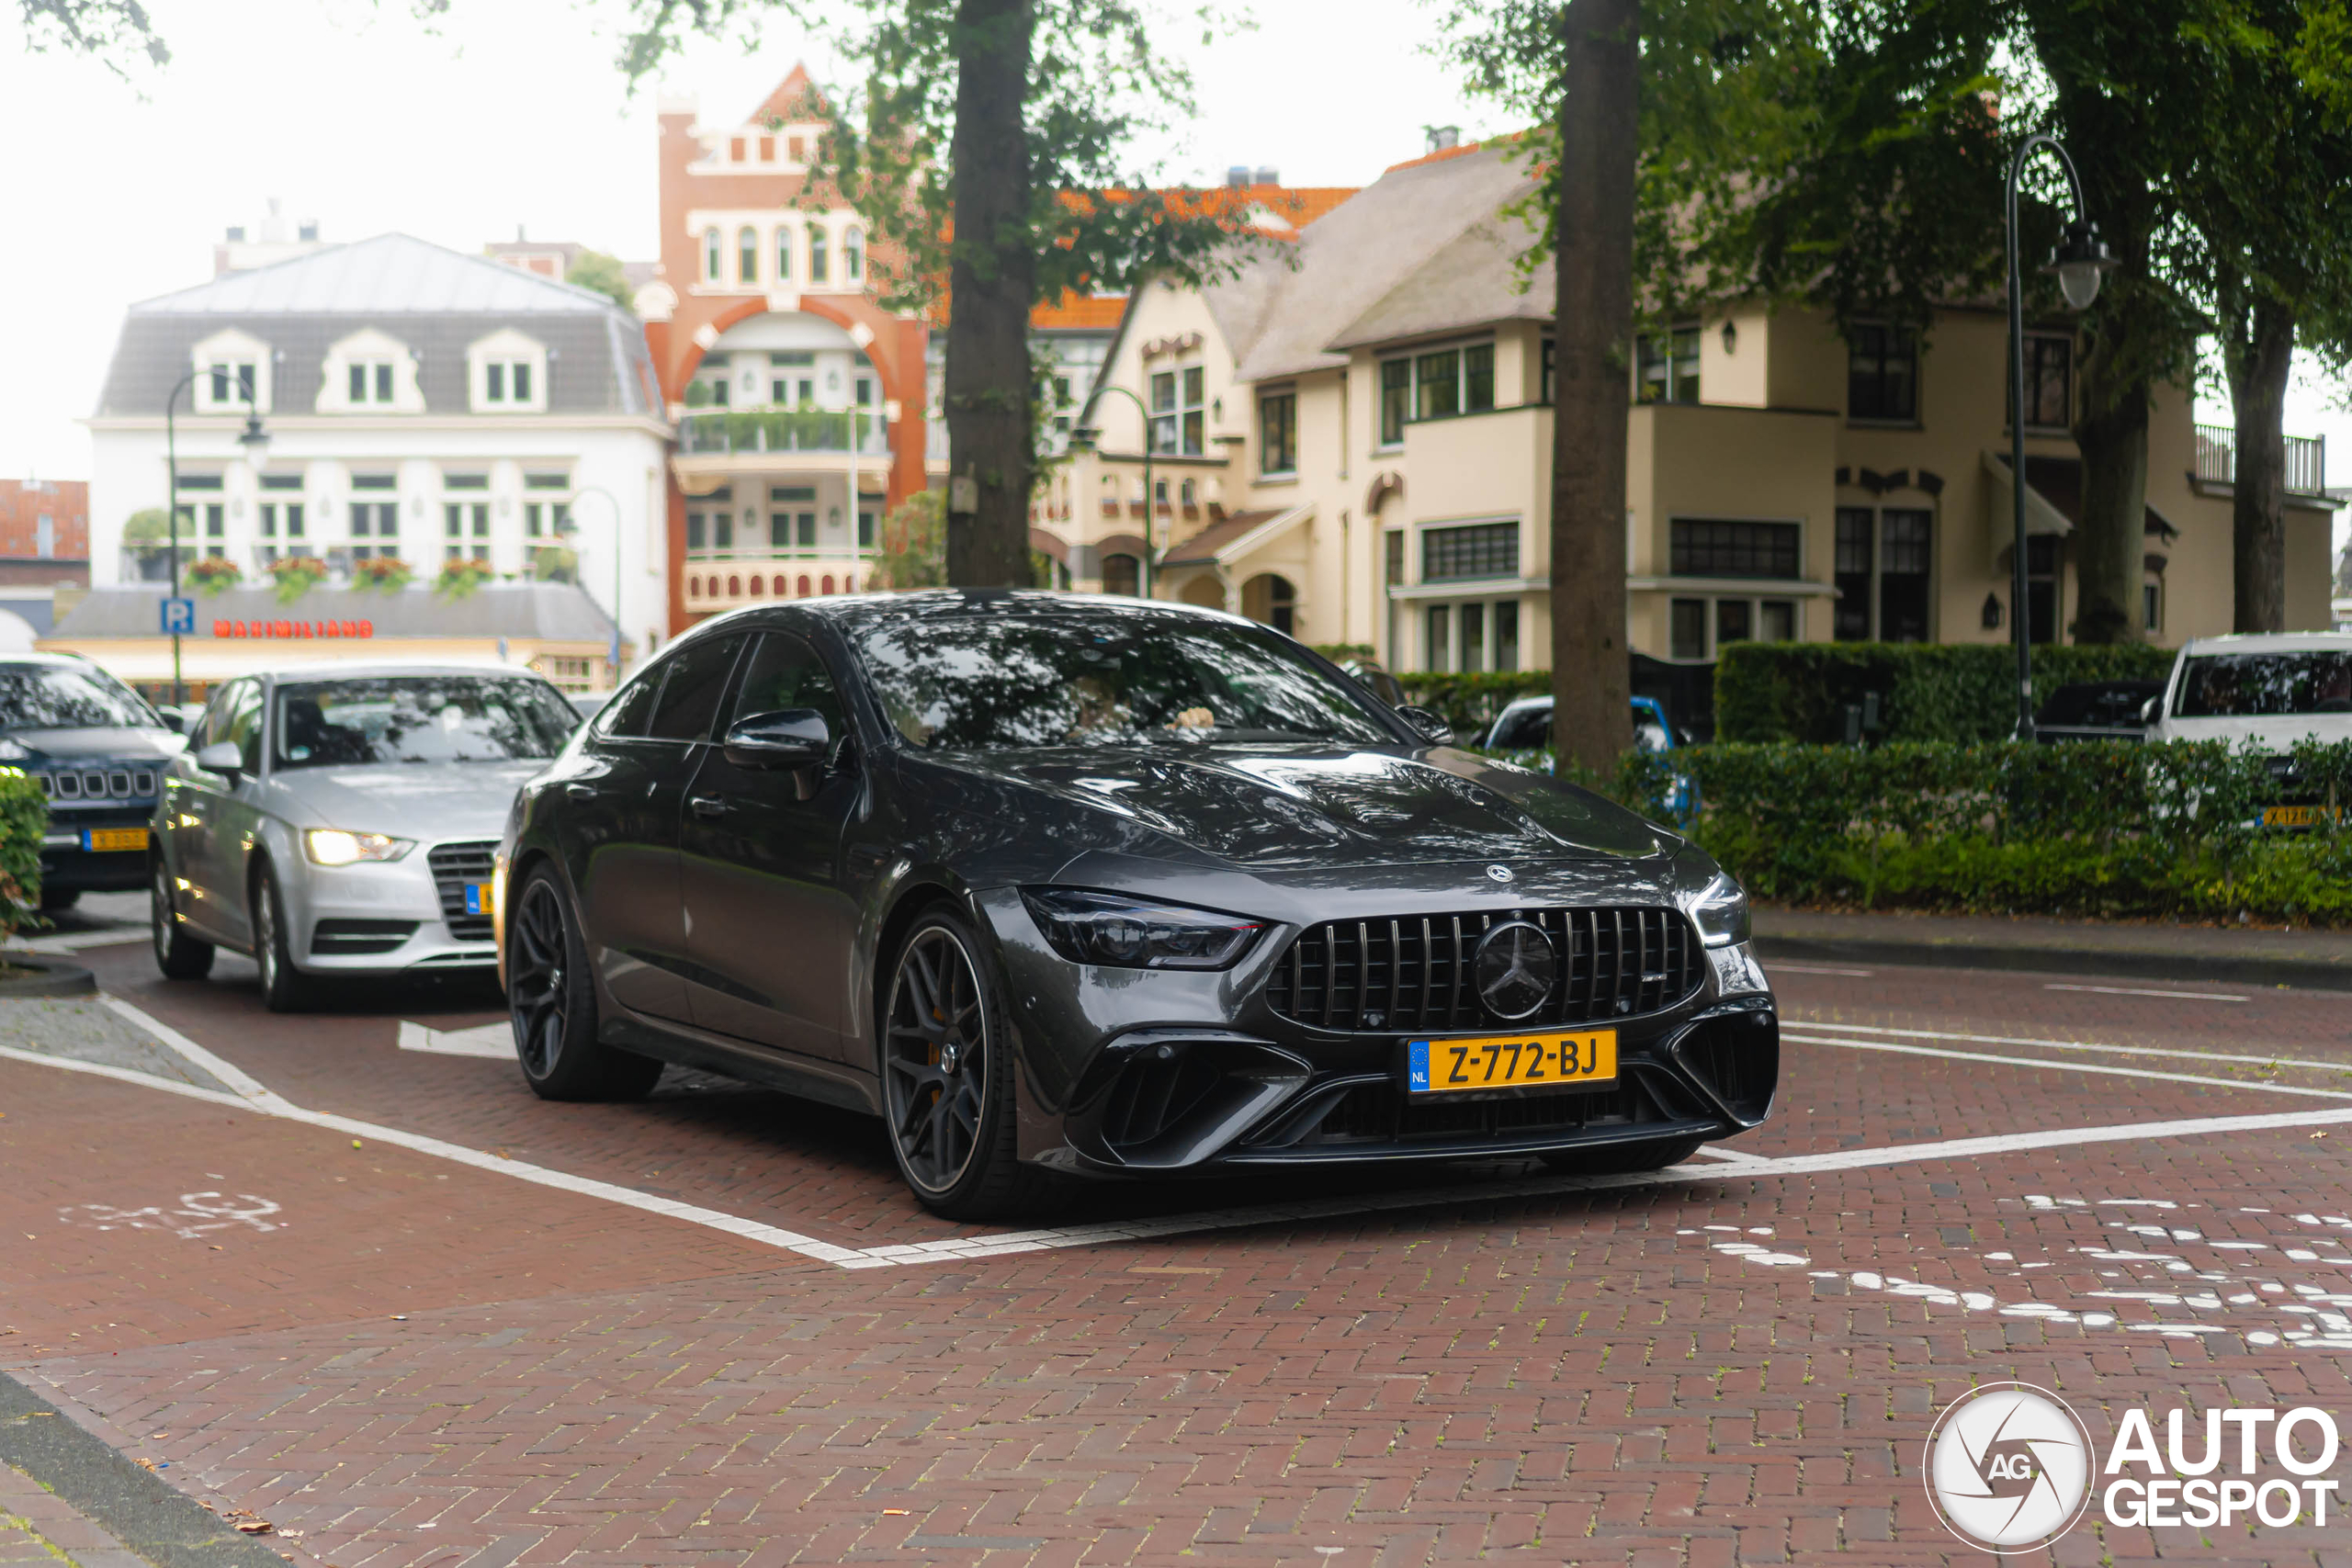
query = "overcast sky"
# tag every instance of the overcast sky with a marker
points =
(357, 114)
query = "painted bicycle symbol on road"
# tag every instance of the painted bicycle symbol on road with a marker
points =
(199, 1214)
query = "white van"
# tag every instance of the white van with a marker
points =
(2273, 690)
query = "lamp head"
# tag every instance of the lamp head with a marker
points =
(2081, 262)
(256, 440)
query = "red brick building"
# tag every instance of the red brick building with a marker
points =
(44, 531)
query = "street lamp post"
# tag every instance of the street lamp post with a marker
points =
(2079, 263)
(1149, 502)
(611, 500)
(252, 438)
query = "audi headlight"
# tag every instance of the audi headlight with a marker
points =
(334, 846)
(1137, 933)
(1719, 910)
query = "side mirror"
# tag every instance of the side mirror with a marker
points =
(2152, 710)
(1427, 724)
(789, 738)
(222, 757)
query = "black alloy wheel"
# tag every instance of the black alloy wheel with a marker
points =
(179, 955)
(284, 989)
(947, 1081)
(552, 1005)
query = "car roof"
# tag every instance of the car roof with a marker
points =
(383, 669)
(2271, 642)
(843, 606)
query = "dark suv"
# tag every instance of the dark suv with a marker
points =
(98, 752)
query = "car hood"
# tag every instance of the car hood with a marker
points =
(108, 744)
(430, 801)
(2271, 734)
(1279, 808)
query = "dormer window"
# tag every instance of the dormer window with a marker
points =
(233, 383)
(854, 254)
(232, 373)
(506, 382)
(370, 381)
(507, 373)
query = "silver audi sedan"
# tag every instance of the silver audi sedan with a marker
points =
(340, 819)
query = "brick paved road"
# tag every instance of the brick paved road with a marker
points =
(424, 1363)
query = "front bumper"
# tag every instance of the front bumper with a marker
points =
(1165, 1073)
(68, 862)
(395, 918)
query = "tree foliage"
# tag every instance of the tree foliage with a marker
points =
(594, 269)
(110, 30)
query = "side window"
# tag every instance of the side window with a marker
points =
(242, 728)
(212, 725)
(690, 696)
(785, 672)
(629, 711)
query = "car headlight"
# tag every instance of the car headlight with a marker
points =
(334, 846)
(1719, 910)
(1137, 933)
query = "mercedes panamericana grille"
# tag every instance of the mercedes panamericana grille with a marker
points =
(1095, 887)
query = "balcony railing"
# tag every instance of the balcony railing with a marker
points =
(2217, 459)
(742, 432)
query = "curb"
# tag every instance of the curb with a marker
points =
(57, 977)
(2305, 974)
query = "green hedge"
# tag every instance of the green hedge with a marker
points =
(1798, 691)
(2103, 829)
(24, 818)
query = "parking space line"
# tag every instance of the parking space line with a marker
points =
(2065, 1067)
(2138, 991)
(1776, 967)
(1739, 1164)
(2077, 1046)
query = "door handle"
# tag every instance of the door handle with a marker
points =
(580, 791)
(707, 806)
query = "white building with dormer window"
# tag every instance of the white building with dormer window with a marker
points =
(422, 405)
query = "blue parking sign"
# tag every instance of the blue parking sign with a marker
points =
(179, 616)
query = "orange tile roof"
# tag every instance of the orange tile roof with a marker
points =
(1075, 311)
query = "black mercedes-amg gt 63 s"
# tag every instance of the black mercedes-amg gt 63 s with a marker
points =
(1096, 886)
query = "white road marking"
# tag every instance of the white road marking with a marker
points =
(74, 941)
(1733, 1157)
(2065, 1067)
(2080, 1045)
(1819, 969)
(2137, 991)
(490, 1042)
(1742, 1167)
(199, 1214)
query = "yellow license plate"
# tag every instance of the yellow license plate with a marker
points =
(2298, 815)
(108, 839)
(1510, 1061)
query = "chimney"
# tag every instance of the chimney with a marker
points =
(236, 233)
(1269, 175)
(1441, 137)
(306, 230)
(1238, 177)
(518, 233)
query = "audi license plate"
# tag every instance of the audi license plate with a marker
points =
(477, 898)
(105, 839)
(1511, 1061)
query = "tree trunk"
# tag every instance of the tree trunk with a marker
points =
(2258, 346)
(1593, 324)
(2111, 551)
(989, 286)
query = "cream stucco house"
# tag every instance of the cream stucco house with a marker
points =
(1351, 440)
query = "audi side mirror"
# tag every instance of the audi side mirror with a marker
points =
(789, 738)
(222, 757)
(1427, 722)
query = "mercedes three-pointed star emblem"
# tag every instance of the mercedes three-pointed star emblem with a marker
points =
(1516, 967)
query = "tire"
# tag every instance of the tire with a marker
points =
(1620, 1159)
(284, 989)
(551, 1004)
(948, 1078)
(55, 899)
(179, 955)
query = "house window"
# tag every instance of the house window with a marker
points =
(279, 520)
(374, 528)
(546, 479)
(506, 382)
(465, 530)
(854, 254)
(865, 521)
(233, 383)
(370, 381)
(1707, 548)
(1687, 629)
(1177, 396)
(1396, 398)
(546, 519)
(1883, 565)
(1437, 379)
(2041, 573)
(2049, 382)
(465, 481)
(711, 269)
(1471, 636)
(784, 247)
(818, 269)
(1120, 575)
(1439, 385)
(1882, 373)
(374, 481)
(1543, 385)
(1278, 433)
(1477, 550)
(1667, 366)
(1439, 647)
(747, 256)
(1392, 565)
(2152, 604)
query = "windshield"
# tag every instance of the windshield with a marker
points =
(1017, 680)
(419, 718)
(2265, 685)
(37, 696)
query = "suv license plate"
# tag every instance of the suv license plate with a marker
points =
(2298, 816)
(1511, 1061)
(105, 839)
